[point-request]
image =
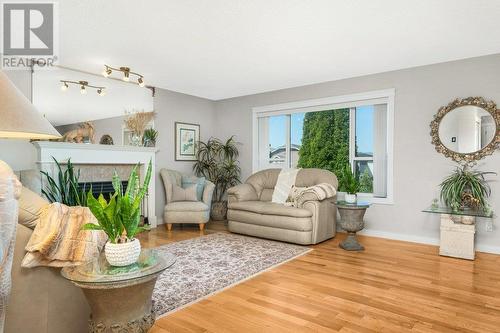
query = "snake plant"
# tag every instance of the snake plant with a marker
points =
(119, 217)
(64, 188)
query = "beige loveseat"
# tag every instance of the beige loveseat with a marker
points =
(251, 211)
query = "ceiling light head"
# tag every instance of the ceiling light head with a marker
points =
(101, 91)
(83, 91)
(107, 72)
(140, 80)
(64, 87)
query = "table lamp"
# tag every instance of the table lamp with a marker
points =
(18, 120)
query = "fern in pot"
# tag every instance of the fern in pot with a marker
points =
(349, 184)
(217, 161)
(119, 218)
(466, 189)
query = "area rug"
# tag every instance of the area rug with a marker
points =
(209, 264)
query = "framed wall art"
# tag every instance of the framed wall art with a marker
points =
(186, 137)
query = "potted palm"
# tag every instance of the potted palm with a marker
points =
(119, 218)
(217, 161)
(348, 184)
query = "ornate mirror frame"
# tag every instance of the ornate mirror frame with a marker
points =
(488, 106)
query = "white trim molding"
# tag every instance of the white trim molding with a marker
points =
(385, 96)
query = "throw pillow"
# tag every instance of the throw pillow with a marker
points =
(183, 194)
(188, 181)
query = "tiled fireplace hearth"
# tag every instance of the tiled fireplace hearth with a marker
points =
(97, 163)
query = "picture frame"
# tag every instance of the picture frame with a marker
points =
(186, 137)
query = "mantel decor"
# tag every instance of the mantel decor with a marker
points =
(471, 130)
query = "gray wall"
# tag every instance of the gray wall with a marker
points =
(19, 154)
(418, 168)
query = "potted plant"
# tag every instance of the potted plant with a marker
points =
(217, 162)
(149, 137)
(65, 188)
(119, 218)
(348, 184)
(466, 189)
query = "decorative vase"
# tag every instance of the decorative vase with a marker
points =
(122, 254)
(350, 198)
(135, 139)
(219, 210)
(149, 143)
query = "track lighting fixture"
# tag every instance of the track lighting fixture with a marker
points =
(101, 91)
(126, 74)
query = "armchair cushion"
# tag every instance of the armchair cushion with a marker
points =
(242, 192)
(183, 194)
(186, 206)
(188, 181)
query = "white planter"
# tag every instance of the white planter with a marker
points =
(122, 254)
(350, 198)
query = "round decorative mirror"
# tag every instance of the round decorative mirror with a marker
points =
(467, 130)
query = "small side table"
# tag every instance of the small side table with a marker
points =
(120, 297)
(351, 220)
(457, 231)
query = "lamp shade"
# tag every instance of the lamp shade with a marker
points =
(18, 117)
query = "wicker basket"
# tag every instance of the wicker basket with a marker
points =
(122, 254)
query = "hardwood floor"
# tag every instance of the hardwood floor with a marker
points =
(392, 286)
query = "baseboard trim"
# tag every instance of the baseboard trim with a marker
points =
(422, 240)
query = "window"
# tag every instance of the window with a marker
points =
(328, 135)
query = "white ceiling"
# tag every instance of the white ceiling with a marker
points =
(224, 48)
(70, 106)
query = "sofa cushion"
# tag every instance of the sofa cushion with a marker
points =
(272, 221)
(269, 208)
(186, 206)
(30, 208)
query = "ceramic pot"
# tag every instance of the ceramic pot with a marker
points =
(219, 210)
(122, 254)
(350, 198)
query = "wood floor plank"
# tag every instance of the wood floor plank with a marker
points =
(392, 286)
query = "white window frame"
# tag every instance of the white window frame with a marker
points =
(385, 96)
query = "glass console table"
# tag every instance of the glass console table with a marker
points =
(120, 297)
(458, 229)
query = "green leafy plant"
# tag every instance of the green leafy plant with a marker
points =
(347, 181)
(217, 162)
(119, 217)
(461, 181)
(149, 137)
(64, 188)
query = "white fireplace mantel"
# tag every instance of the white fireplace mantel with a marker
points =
(100, 155)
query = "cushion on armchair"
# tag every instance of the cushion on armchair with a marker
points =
(188, 181)
(184, 194)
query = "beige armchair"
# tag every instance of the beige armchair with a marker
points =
(185, 211)
(251, 212)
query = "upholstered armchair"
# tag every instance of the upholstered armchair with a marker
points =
(251, 212)
(185, 211)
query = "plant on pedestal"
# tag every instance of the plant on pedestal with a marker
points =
(119, 218)
(466, 189)
(349, 184)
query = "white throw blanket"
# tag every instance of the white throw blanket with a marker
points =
(299, 195)
(286, 180)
